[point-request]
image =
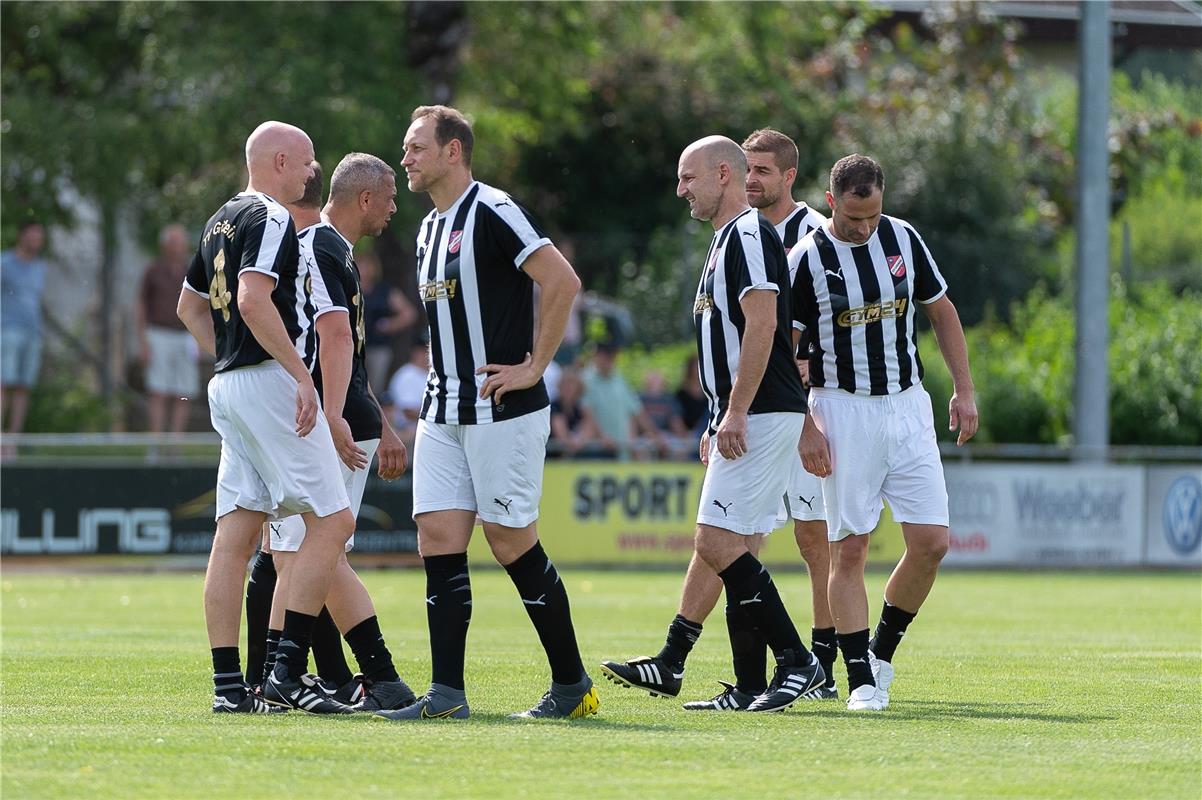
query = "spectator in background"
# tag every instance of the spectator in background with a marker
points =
(663, 413)
(167, 351)
(694, 407)
(574, 432)
(616, 408)
(387, 312)
(22, 284)
(407, 389)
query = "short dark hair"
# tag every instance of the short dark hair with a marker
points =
(857, 174)
(312, 196)
(449, 124)
(767, 140)
(355, 173)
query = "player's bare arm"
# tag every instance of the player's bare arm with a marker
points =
(193, 310)
(962, 408)
(261, 316)
(559, 284)
(759, 309)
(392, 457)
(336, 350)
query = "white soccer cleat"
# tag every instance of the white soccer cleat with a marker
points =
(866, 698)
(882, 673)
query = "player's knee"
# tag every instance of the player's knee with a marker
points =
(850, 555)
(812, 543)
(931, 546)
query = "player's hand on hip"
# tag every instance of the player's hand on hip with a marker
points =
(732, 435)
(344, 442)
(704, 450)
(814, 451)
(962, 414)
(803, 369)
(392, 455)
(306, 408)
(503, 378)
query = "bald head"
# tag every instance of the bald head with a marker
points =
(279, 158)
(716, 150)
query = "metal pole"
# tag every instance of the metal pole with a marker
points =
(1091, 421)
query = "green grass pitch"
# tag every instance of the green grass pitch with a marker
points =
(1008, 685)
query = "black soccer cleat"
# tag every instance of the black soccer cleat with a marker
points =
(644, 672)
(729, 699)
(250, 704)
(383, 695)
(305, 693)
(789, 682)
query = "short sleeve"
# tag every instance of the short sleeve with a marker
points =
(328, 289)
(265, 246)
(512, 230)
(196, 280)
(804, 302)
(929, 284)
(755, 259)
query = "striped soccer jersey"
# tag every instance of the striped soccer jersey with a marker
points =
(479, 302)
(330, 260)
(251, 233)
(745, 254)
(801, 221)
(857, 302)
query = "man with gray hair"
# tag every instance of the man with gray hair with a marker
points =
(167, 351)
(745, 351)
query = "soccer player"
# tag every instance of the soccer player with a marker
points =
(870, 433)
(245, 301)
(745, 347)
(362, 194)
(482, 432)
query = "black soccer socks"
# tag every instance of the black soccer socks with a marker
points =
(259, 592)
(889, 631)
(448, 613)
(328, 659)
(227, 674)
(855, 656)
(293, 651)
(682, 635)
(826, 649)
(749, 586)
(747, 649)
(546, 603)
(367, 643)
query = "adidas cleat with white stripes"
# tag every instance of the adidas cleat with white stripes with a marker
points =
(644, 672)
(305, 694)
(250, 704)
(729, 699)
(822, 693)
(789, 682)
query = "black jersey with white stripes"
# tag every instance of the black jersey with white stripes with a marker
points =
(801, 220)
(857, 302)
(745, 254)
(480, 304)
(330, 260)
(251, 233)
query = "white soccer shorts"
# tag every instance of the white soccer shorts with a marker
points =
(264, 465)
(803, 498)
(494, 469)
(882, 448)
(287, 534)
(744, 495)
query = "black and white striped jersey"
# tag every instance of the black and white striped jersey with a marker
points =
(330, 260)
(479, 302)
(793, 228)
(857, 302)
(745, 254)
(801, 220)
(251, 233)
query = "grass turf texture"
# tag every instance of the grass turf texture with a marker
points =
(1008, 685)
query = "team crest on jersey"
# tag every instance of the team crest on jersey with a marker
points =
(713, 263)
(897, 266)
(454, 242)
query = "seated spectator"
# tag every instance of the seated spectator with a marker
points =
(407, 390)
(615, 406)
(663, 413)
(574, 432)
(693, 404)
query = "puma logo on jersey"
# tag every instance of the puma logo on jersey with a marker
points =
(753, 234)
(279, 222)
(503, 203)
(723, 507)
(836, 274)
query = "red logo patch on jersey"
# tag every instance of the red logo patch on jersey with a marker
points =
(897, 266)
(454, 242)
(713, 263)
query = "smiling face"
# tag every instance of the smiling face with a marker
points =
(699, 182)
(425, 162)
(296, 166)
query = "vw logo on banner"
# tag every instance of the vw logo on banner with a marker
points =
(1183, 515)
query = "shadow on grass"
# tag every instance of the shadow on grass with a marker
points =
(952, 709)
(477, 719)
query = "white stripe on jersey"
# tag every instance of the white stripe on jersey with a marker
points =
(469, 285)
(273, 234)
(322, 304)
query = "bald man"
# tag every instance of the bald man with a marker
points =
(247, 302)
(745, 352)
